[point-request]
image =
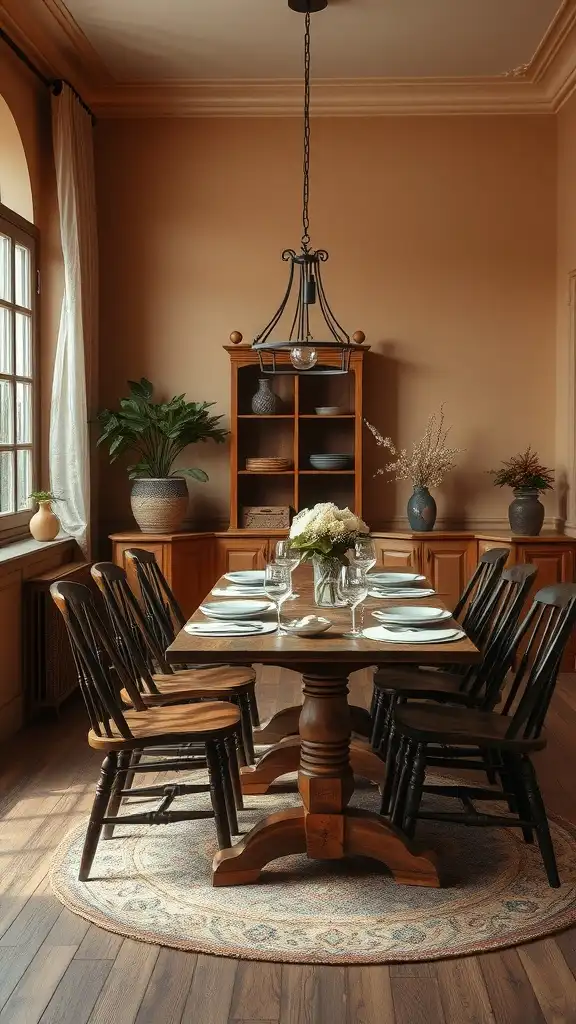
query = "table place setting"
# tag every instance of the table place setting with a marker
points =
(392, 585)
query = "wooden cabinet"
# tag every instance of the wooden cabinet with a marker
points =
(233, 554)
(448, 564)
(398, 551)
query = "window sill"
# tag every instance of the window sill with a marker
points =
(21, 549)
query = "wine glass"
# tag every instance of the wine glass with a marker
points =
(354, 590)
(363, 554)
(278, 587)
(289, 556)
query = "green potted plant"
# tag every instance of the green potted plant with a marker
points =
(528, 478)
(44, 524)
(157, 432)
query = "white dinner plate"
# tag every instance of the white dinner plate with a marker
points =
(248, 628)
(236, 609)
(394, 579)
(404, 594)
(408, 615)
(233, 591)
(413, 636)
(246, 577)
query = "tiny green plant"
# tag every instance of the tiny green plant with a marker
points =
(524, 471)
(156, 432)
(43, 496)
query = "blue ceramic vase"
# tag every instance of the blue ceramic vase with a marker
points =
(421, 510)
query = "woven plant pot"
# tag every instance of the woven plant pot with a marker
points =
(159, 505)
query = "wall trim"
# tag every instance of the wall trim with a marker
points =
(46, 30)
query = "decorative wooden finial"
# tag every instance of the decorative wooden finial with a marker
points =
(358, 337)
(235, 337)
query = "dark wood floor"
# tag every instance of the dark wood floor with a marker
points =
(54, 967)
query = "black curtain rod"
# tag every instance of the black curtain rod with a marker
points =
(54, 84)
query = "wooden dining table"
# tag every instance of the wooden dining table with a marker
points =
(322, 753)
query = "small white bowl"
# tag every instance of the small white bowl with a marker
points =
(310, 625)
(328, 410)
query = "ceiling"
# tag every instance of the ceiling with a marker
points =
(152, 41)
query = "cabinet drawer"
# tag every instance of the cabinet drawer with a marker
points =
(397, 553)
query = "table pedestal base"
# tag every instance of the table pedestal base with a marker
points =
(284, 758)
(324, 837)
(325, 827)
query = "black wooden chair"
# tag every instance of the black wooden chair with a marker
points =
(455, 737)
(118, 733)
(162, 611)
(494, 628)
(157, 681)
(469, 610)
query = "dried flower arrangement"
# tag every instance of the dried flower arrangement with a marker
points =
(524, 471)
(430, 459)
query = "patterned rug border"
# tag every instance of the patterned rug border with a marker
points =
(560, 922)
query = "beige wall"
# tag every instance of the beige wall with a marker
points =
(442, 240)
(566, 310)
(29, 103)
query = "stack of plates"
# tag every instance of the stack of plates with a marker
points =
(246, 577)
(235, 610)
(268, 465)
(328, 410)
(397, 585)
(408, 615)
(332, 461)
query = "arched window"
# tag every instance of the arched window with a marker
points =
(18, 287)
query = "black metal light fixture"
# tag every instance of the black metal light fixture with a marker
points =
(305, 285)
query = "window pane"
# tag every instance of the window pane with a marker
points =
(23, 413)
(23, 345)
(22, 276)
(5, 268)
(6, 482)
(6, 413)
(23, 479)
(5, 340)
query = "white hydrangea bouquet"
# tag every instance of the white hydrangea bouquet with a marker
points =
(324, 534)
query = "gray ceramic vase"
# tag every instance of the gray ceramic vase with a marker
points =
(526, 512)
(265, 401)
(159, 505)
(421, 510)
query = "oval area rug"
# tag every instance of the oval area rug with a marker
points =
(154, 884)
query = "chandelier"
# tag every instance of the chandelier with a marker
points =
(305, 286)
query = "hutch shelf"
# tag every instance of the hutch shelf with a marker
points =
(295, 432)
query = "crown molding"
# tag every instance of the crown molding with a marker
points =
(51, 37)
(347, 97)
(53, 40)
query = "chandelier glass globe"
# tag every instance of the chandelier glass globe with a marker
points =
(303, 358)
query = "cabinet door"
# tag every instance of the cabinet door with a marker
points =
(487, 545)
(396, 552)
(448, 564)
(555, 565)
(241, 553)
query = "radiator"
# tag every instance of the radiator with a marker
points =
(49, 670)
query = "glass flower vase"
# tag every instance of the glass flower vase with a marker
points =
(327, 569)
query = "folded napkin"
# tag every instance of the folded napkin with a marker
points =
(422, 635)
(250, 627)
(406, 592)
(233, 591)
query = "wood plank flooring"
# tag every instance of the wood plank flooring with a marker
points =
(55, 968)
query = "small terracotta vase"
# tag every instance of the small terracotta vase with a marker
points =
(44, 524)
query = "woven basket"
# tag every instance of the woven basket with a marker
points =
(266, 517)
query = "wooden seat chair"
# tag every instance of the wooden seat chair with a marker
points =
(494, 628)
(456, 737)
(154, 677)
(118, 733)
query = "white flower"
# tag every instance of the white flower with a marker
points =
(325, 527)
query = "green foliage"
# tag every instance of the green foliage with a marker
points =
(43, 496)
(157, 431)
(524, 471)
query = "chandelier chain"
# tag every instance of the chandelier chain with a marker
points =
(306, 184)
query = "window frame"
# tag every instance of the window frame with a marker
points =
(14, 525)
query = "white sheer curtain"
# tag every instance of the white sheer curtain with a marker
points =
(75, 366)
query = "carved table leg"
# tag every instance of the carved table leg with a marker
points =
(324, 828)
(284, 758)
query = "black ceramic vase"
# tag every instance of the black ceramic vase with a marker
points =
(421, 510)
(526, 512)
